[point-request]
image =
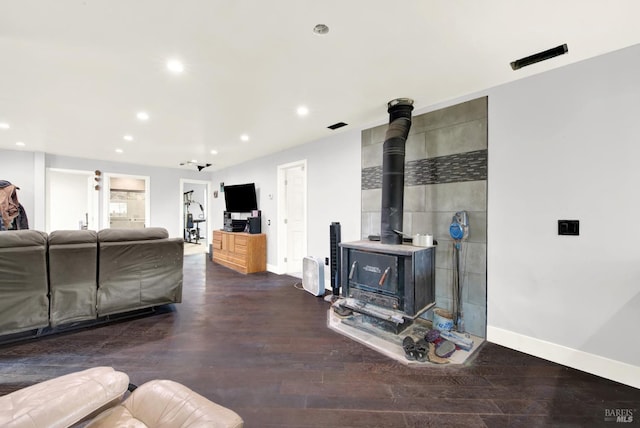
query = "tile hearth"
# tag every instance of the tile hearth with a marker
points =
(390, 344)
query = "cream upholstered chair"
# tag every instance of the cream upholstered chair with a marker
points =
(164, 403)
(65, 400)
(95, 395)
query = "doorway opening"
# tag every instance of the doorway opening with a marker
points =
(126, 201)
(292, 217)
(194, 214)
(72, 202)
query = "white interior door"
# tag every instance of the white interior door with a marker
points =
(295, 217)
(71, 200)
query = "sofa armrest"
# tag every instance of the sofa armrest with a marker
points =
(164, 403)
(65, 400)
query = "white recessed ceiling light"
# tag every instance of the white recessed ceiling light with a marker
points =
(175, 66)
(142, 115)
(302, 111)
(214, 152)
(128, 137)
(193, 161)
(244, 137)
(119, 151)
(4, 125)
(20, 143)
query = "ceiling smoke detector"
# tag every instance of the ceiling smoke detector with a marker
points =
(321, 29)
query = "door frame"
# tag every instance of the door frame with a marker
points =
(106, 193)
(207, 209)
(282, 204)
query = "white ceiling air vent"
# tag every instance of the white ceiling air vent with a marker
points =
(313, 275)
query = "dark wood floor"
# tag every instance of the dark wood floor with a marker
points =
(259, 346)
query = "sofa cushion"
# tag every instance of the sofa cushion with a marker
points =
(138, 269)
(73, 270)
(65, 400)
(164, 403)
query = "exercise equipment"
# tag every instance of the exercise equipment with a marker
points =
(192, 225)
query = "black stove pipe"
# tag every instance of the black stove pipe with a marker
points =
(393, 152)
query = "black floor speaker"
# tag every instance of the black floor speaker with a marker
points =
(334, 251)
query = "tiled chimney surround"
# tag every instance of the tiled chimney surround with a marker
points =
(445, 172)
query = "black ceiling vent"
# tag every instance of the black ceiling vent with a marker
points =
(337, 125)
(540, 56)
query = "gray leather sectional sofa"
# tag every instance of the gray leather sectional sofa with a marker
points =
(72, 276)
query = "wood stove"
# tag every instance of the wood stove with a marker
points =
(393, 282)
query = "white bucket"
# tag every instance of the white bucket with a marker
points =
(422, 240)
(442, 319)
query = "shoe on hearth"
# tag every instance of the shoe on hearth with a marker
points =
(409, 346)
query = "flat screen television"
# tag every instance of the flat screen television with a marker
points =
(240, 198)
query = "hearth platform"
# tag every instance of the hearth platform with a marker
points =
(364, 329)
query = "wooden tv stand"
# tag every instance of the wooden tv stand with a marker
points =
(242, 252)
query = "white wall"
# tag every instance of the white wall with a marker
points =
(333, 180)
(565, 145)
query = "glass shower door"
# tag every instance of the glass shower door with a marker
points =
(127, 203)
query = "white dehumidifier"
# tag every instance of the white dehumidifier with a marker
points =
(313, 275)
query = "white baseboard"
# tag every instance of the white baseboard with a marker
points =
(590, 363)
(274, 269)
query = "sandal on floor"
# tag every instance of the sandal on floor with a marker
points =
(342, 311)
(409, 347)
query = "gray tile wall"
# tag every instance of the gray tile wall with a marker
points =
(446, 172)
